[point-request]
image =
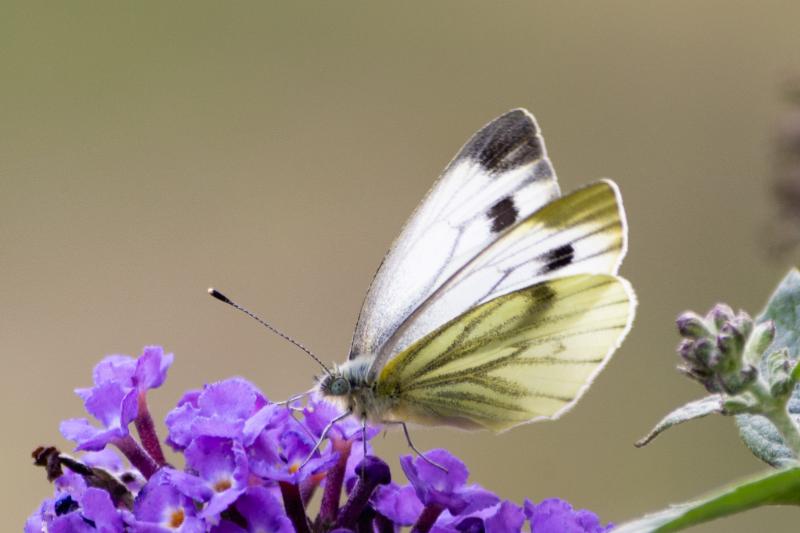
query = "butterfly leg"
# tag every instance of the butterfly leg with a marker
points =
(288, 402)
(364, 435)
(411, 444)
(325, 434)
(364, 441)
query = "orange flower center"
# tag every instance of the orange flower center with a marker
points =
(222, 485)
(176, 518)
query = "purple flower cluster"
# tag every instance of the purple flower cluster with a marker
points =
(252, 465)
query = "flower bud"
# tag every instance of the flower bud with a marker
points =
(761, 337)
(692, 325)
(780, 385)
(374, 471)
(777, 361)
(744, 323)
(779, 375)
(704, 351)
(736, 382)
(719, 315)
(686, 350)
(730, 341)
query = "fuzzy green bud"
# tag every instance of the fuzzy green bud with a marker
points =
(779, 373)
(692, 326)
(743, 323)
(761, 337)
(725, 358)
(736, 382)
(730, 340)
(719, 315)
(704, 351)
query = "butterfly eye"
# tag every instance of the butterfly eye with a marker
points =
(340, 387)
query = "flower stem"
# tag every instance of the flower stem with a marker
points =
(371, 473)
(383, 524)
(137, 456)
(364, 524)
(309, 486)
(427, 518)
(293, 504)
(147, 432)
(355, 504)
(776, 410)
(329, 507)
(787, 427)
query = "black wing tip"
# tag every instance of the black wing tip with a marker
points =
(518, 119)
(519, 113)
(509, 141)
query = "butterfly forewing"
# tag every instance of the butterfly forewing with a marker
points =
(582, 232)
(499, 177)
(518, 358)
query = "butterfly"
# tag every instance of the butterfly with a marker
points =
(498, 303)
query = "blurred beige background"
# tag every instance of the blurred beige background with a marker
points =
(151, 150)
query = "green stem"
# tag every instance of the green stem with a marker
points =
(786, 425)
(777, 411)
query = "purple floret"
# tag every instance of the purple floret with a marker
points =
(220, 410)
(504, 517)
(398, 503)
(117, 399)
(148, 371)
(447, 489)
(557, 516)
(100, 510)
(279, 456)
(220, 474)
(161, 507)
(261, 512)
(113, 406)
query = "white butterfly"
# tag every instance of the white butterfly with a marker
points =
(498, 303)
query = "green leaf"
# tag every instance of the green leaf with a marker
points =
(783, 308)
(758, 433)
(690, 411)
(774, 488)
(764, 440)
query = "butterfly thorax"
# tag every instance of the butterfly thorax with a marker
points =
(348, 386)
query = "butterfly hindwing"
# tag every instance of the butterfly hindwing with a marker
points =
(582, 232)
(499, 177)
(515, 359)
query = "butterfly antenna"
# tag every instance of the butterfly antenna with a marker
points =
(222, 298)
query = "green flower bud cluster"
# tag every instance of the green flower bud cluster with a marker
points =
(723, 350)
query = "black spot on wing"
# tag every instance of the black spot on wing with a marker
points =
(558, 258)
(503, 214)
(506, 143)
